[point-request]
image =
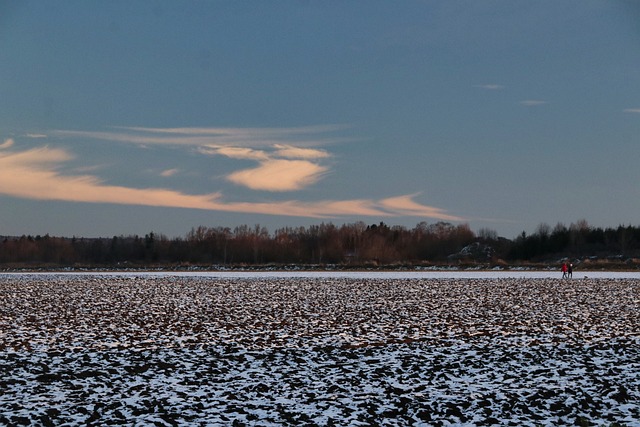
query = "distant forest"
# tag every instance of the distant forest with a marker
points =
(348, 245)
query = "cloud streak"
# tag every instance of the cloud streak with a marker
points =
(279, 175)
(287, 158)
(491, 86)
(7, 143)
(532, 102)
(169, 172)
(35, 174)
(410, 207)
(304, 136)
(285, 168)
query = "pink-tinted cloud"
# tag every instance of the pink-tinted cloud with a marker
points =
(7, 143)
(169, 172)
(242, 153)
(286, 168)
(406, 206)
(291, 152)
(36, 174)
(279, 175)
(282, 166)
(33, 174)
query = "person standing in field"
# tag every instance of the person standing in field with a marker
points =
(570, 270)
(564, 270)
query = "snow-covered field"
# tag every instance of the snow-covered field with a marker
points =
(163, 349)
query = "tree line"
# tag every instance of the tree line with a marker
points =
(349, 244)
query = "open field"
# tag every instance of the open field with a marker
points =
(178, 350)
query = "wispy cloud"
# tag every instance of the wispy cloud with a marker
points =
(532, 102)
(279, 175)
(33, 174)
(292, 152)
(279, 150)
(491, 86)
(288, 158)
(285, 168)
(169, 172)
(406, 206)
(632, 110)
(304, 136)
(241, 153)
(36, 174)
(7, 143)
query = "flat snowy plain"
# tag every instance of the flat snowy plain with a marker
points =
(332, 348)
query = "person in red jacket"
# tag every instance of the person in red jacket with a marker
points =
(564, 270)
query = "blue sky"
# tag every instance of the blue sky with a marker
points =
(126, 117)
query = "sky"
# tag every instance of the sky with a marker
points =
(122, 118)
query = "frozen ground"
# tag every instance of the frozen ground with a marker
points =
(160, 349)
(370, 274)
